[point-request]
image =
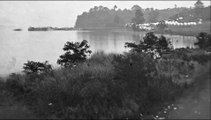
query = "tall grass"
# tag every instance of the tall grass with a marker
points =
(105, 86)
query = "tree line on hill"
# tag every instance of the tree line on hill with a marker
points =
(103, 17)
(193, 15)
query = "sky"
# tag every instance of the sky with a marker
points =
(64, 13)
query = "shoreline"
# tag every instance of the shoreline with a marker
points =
(121, 29)
(182, 33)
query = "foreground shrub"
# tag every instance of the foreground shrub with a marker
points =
(204, 40)
(140, 83)
(2, 83)
(91, 90)
(70, 93)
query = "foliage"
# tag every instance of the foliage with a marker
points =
(2, 85)
(141, 84)
(151, 44)
(204, 40)
(142, 67)
(15, 83)
(136, 7)
(75, 53)
(153, 16)
(106, 86)
(115, 7)
(109, 86)
(36, 67)
(139, 17)
(192, 15)
(163, 42)
(116, 19)
(103, 17)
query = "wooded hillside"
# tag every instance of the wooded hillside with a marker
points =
(103, 17)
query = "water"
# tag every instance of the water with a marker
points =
(16, 47)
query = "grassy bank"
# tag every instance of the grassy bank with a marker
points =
(109, 86)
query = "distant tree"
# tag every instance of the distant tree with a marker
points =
(199, 4)
(163, 42)
(150, 39)
(198, 8)
(153, 16)
(198, 12)
(204, 40)
(117, 20)
(139, 17)
(102, 17)
(36, 67)
(147, 9)
(115, 7)
(75, 53)
(136, 7)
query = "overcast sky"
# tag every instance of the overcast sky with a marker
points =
(64, 13)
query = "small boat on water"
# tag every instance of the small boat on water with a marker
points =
(17, 29)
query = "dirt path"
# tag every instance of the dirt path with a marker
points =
(196, 103)
(191, 108)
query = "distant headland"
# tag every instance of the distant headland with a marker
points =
(50, 28)
(18, 29)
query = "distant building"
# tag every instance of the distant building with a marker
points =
(199, 4)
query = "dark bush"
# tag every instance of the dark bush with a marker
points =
(15, 84)
(201, 58)
(140, 83)
(204, 40)
(75, 53)
(151, 44)
(36, 67)
(2, 84)
(163, 42)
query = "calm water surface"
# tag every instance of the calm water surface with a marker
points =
(16, 47)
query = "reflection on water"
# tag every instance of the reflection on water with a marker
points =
(18, 47)
(109, 42)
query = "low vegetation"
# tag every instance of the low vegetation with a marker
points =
(111, 86)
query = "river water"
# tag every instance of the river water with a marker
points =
(16, 47)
